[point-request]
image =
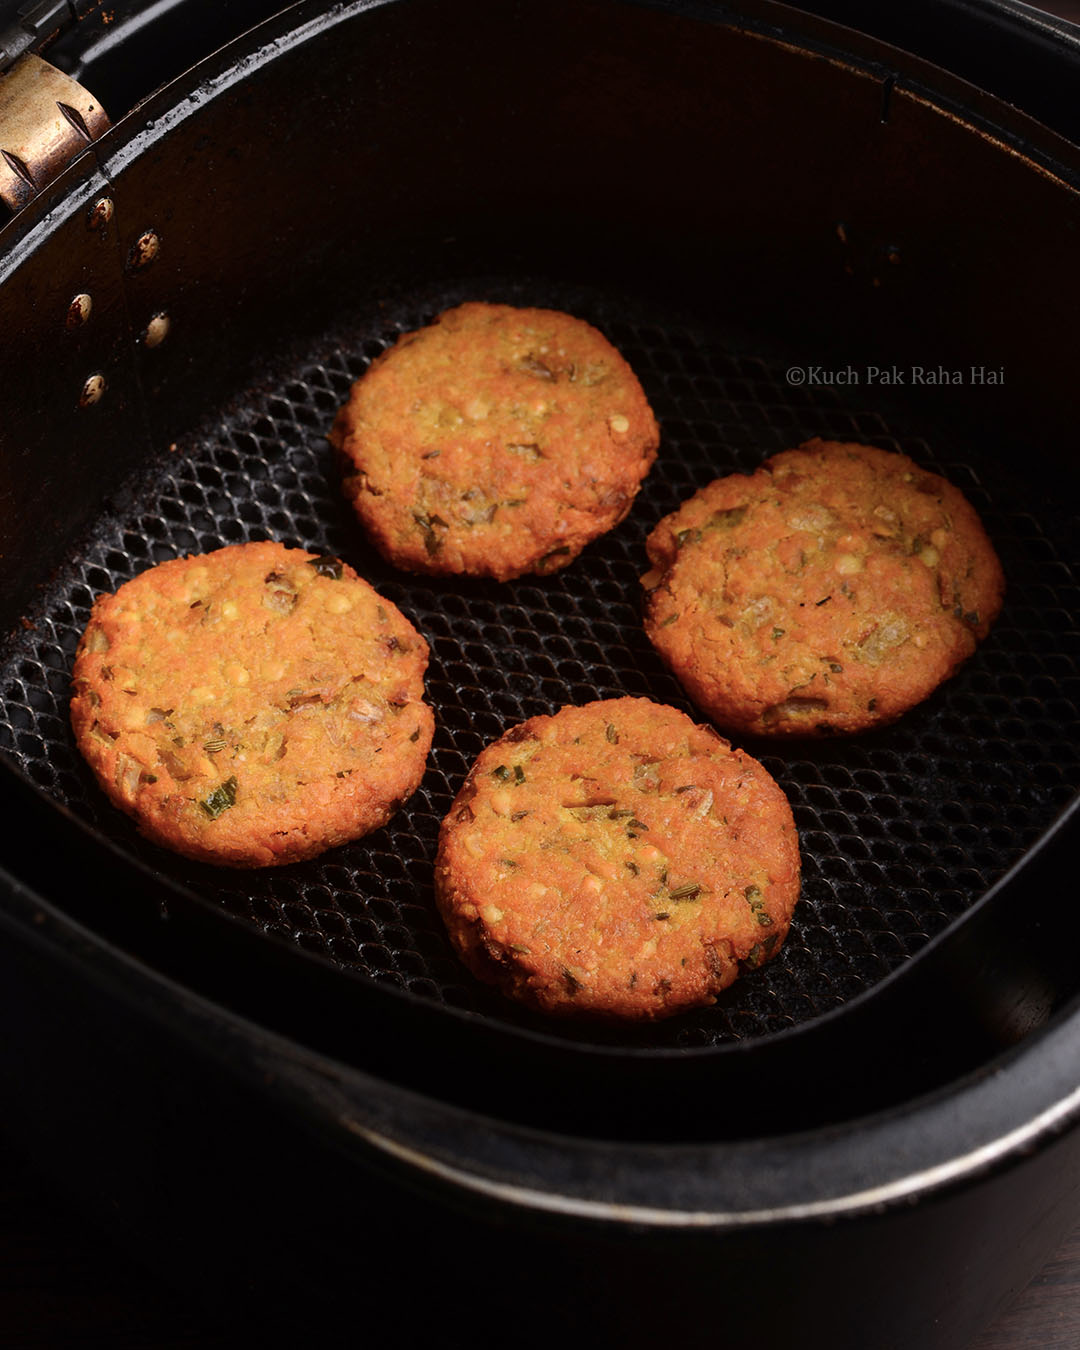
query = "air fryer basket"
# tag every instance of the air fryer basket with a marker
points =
(901, 830)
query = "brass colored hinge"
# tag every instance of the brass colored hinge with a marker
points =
(46, 119)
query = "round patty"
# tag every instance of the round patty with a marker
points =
(495, 442)
(616, 861)
(252, 706)
(829, 591)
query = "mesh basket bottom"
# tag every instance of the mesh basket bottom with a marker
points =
(901, 829)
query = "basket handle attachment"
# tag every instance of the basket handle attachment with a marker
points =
(46, 117)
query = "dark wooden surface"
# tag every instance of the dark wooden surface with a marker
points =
(1046, 1316)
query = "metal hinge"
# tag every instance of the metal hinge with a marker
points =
(46, 117)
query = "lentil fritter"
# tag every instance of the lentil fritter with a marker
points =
(495, 442)
(252, 706)
(829, 591)
(616, 861)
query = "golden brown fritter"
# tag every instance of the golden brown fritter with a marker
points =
(616, 861)
(829, 591)
(495, 442)
(252, 706)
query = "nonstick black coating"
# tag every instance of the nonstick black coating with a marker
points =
(901, 829)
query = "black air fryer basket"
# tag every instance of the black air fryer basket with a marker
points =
(790, 229)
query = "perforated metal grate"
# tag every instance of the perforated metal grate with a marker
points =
(900, 829)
